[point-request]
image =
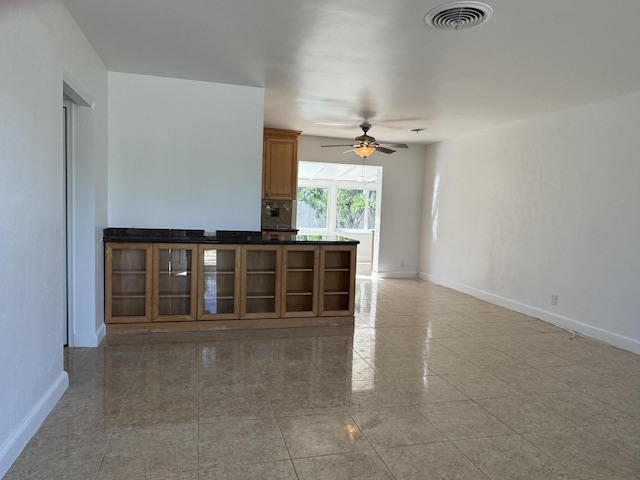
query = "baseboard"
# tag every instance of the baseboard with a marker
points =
(612, 338)
(16, 442)
(232, 324)
(89, 339)
(396, 274)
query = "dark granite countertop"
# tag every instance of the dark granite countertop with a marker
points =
(170, 235)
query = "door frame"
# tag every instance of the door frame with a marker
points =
(78, 263)
(68, 218)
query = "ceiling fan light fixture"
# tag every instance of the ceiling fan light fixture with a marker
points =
(364, 150)
(365, 144)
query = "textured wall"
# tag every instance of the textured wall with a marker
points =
(40, 45)
(549, 206)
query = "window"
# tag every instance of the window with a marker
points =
(334, 206)
(312, 207)
(341, 200)
(350, 205)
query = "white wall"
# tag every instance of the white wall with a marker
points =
(549, 206)
(365, 246)
(184, 154)
(401, 200)
(39, 44)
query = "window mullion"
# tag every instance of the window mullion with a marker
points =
(366, 209)
(333, 207)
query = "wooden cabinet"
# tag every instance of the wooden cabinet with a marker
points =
(280, 164)
(337, 280)
(299, 281)
(219, 285)
(150, 282)
(174, 282)
(192, 286)
(127, 285)
(261, 268)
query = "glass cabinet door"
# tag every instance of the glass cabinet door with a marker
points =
(261, 281)
(337, 280)
(174, 284)
(299, 280)
(219, 287)
(127, 283)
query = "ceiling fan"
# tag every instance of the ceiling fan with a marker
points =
(365, 144)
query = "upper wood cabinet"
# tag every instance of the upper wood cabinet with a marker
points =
(280, 164)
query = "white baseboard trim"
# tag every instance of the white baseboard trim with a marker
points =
(10, 450)
(612, 338)
(89, 339)
(397, 274)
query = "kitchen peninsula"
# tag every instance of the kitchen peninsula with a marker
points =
(171, 279)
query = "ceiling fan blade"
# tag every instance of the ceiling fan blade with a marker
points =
(345, 145)
(385, 122)
(384, 150)
(338, 124)
(350, 150)
(395, 145)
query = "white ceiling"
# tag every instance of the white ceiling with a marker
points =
(338, 60)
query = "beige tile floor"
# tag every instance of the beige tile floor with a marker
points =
(430, 384)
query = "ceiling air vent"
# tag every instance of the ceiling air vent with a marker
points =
(458, 15)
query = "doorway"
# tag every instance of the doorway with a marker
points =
(66, 161)
(78, 170)
(336, 199)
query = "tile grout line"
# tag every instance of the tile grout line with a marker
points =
(124, 401)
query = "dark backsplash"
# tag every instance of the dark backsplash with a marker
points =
(276, 213)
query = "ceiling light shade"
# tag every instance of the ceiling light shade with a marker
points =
(458, 15)
(364, 150)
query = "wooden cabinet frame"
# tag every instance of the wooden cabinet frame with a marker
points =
(270, 285)
(300, 281)
(337, 280)
(113, 294)
(260, 281)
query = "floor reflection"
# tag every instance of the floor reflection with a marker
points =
(429, 382)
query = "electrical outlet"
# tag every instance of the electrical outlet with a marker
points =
(554, 299)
